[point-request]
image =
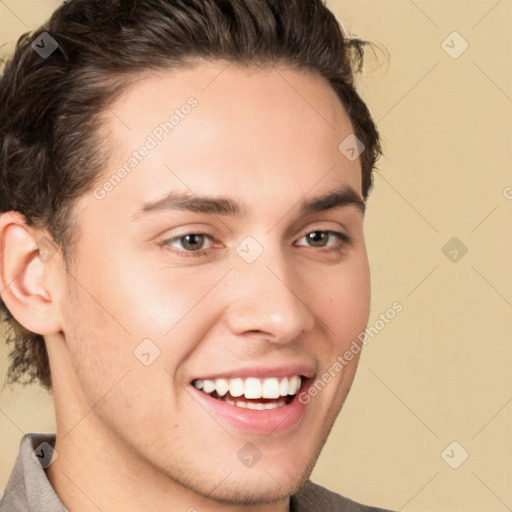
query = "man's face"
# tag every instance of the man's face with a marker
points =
(263, 295)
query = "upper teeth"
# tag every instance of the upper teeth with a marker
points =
(251, 387)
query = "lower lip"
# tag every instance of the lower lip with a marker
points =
(267, 421)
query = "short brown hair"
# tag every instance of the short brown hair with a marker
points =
(50, 107)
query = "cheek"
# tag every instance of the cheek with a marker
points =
(97, 346)
(153, 299)
(114, 382)
(109, 314)
(345, 303)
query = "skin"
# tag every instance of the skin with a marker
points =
(131, 437)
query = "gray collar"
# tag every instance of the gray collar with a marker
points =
(28, 488)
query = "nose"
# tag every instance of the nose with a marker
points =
(267, 299)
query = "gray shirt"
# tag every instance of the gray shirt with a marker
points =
(29, 490)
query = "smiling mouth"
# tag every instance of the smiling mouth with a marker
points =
(252, 393)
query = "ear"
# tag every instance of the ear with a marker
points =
(29, 264)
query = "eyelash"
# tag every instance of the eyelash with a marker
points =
(343, 237)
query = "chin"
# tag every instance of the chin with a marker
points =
(261, 488)
(263, 483)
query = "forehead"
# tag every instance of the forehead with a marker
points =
(234, 88)
(218, 127)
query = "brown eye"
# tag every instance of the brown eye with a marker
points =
(319, 238)
(192, 244)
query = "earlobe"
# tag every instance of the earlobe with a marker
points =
(25, 276)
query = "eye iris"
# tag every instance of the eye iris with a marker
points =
(317, 236)
(192, 246)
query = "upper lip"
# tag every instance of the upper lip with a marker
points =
(262, 372)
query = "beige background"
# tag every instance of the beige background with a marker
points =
(441, 370)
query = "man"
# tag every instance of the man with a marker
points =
(182, 251)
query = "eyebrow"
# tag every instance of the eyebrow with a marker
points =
(183, 201)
